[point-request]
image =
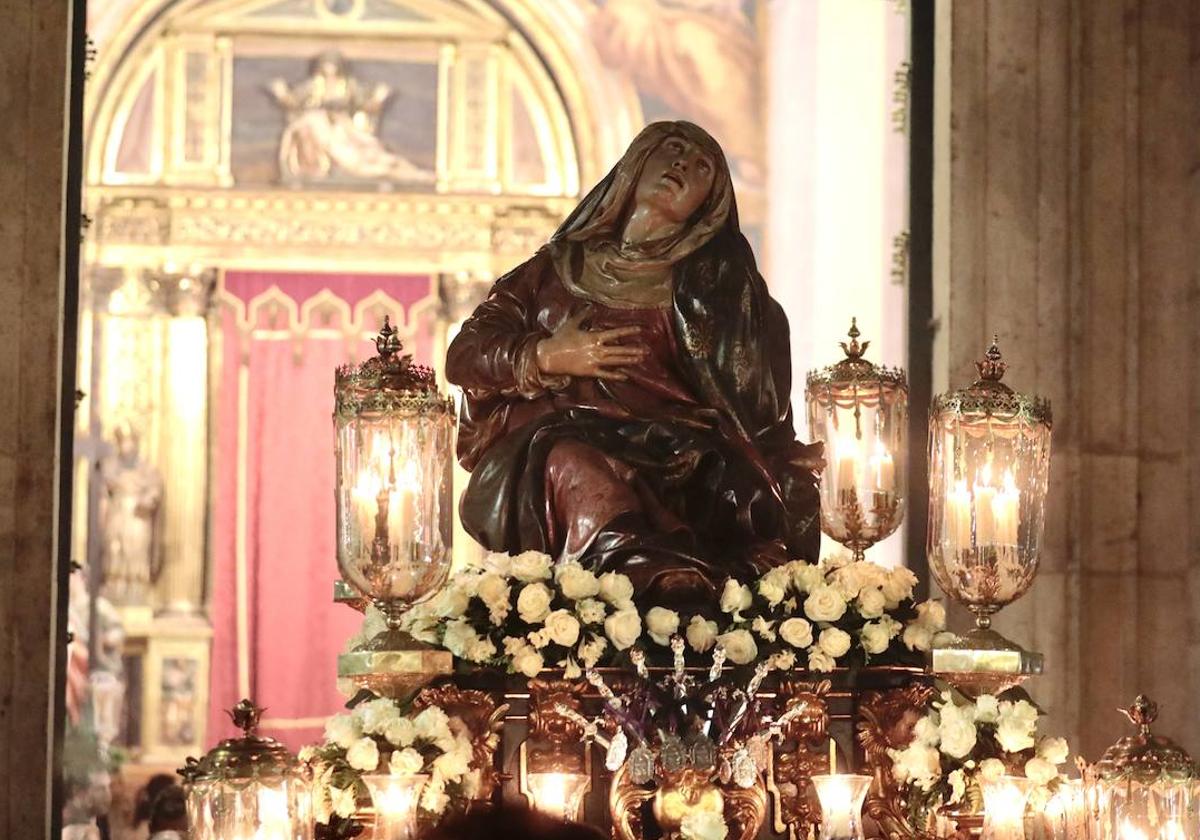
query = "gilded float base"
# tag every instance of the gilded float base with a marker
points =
(984, 662)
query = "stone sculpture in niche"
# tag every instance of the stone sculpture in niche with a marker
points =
(132, 494)
(627, 388)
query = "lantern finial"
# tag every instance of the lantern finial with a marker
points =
(386, 343)
(992, 366)
(245, 716)
(1142, 713)
(854, 350)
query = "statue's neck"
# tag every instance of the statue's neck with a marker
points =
(647, 223)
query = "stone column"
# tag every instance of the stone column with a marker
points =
(183, 445)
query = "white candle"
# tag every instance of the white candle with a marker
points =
(1006, 508)
(958, 516)
(883, 467)
(985, 516)
(847, 466)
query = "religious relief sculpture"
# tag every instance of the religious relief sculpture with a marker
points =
(132, 493)
(627, 388)
(332, 128)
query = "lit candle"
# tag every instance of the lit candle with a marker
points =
(556, 793)
(985, 516)
(1004, 807)
(958, 516)
(1006, 508)
(1129, 831)
(883, 468)
(848, 458)
(841, 798)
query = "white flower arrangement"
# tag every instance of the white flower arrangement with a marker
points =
(960, 741)
(381, 735)
(525, 613)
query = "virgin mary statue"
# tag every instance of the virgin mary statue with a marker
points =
(626, 389)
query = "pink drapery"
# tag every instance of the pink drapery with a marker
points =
(276, 630)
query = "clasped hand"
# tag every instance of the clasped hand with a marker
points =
(575, 351)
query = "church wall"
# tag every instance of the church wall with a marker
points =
(1068, 158)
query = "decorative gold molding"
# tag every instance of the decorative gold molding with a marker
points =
(801, 754)
(886, 722)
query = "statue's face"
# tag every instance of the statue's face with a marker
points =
(676, 179)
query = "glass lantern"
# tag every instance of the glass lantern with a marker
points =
(1144, 787)
(396, 799)
(1004, 802)
(558, 793)
(394, 452)
(841, 797)
(989, 461)
(248, 788)
(860, 411)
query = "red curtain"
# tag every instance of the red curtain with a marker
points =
(276, 630)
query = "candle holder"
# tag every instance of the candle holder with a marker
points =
(841, 798)
(1144, 786)
(249, 787)
(394, 436)
(860, 411)
(396, 798)
(1004, 803)
(989, 459)
(557, 793)
(553, 761)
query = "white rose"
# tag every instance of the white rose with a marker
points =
(431, 724)
(703, 825)
(563, 628)
(773, 586)
(932, 614)
(739, 646)
(875, 638)
(459, 636)
(837, 560)
(819, 660)
(591, 650)
(498, 562)
(987, 709)
(848, 580)
(784, 660)
(925, 731)
(661, 624)
(917, 637)
(343, 730)
(1054, 750)
(493, 590)
(834, 642)
(871, 602)
(344, 802)
(898, 585)
(701, 634)
(806, 576)
(1016, 725)
(590, 611)
(1040, 771)
(796, 632)
(407, 762)
(576, 582)
(533, 604)
(539, 638)
(824, 603)
(735, 597)
(991, 769)
(363, 755)
(616, 589)
(452, 602)
(958, 735)
(623, 628)
(528, 661)
(916, 764)
(376, 714)
(453, 764)
(400, 732)
(433, 796)
(481, 650)
(763, 628)
(531, 566)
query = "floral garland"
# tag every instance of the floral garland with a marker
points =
(380, 735)
(523, 613)
(960, 742)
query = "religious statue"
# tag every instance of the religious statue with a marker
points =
(626, 390)
(132, 493)
(332, 119)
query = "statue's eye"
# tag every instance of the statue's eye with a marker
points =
(705, 166)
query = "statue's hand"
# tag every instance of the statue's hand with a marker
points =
(574, 351)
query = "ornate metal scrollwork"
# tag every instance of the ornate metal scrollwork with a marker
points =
(887, 721)
(484, 719)
(801, 754)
